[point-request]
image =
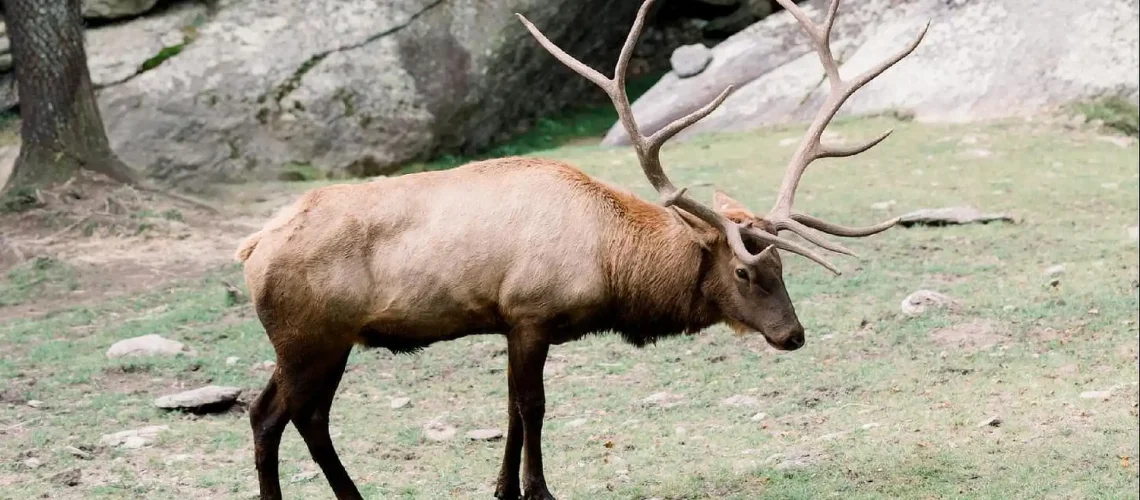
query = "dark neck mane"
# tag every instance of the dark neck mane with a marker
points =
(656, 267)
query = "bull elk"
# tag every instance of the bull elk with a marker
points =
(532, 249)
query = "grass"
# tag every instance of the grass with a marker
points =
(877, 405)
(1117, 113)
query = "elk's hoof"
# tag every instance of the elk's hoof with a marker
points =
(538, 495)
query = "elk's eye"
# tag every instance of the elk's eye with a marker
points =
(741, 274)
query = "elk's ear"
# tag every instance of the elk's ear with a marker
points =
(731, 208)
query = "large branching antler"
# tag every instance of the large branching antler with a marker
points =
(810, 149)
(649, 148)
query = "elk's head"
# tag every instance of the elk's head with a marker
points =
(751, 295)
(749, 284)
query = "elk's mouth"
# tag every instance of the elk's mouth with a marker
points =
(789, 340)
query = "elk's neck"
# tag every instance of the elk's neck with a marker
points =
(655, 267)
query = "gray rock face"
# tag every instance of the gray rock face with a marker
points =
(690, 60)
(115, 9)
(980, 60)
(352, 87)
(207, 398)
(134, 438)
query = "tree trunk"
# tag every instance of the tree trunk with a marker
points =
(62, 130)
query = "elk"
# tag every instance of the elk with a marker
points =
(531, 249)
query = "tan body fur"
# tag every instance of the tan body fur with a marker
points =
(408, 261)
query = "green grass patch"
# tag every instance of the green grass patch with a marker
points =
(161, 57)
(33, 278)
(1117, 113)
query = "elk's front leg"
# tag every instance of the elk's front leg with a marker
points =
(527, 354)
(507, 487)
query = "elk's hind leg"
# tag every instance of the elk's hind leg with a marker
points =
(313, 383)
(268, 416)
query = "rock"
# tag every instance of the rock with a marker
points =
(690, 60)
(69, 477)
(146, 345)
(1055, 271)
(921, 301)
(202, 400)
(436, 430)
(953, 76)
(32, 463)
(578, 422)
(135, 438)
(76, 452)
(759, 417)
(740, 400)
(485, 435)
(949, 216)
(884, 205)
(993, 421)
(115, 9)
(662, 399)
(1133, 232)
(397, 403)
(366, 85)
(869, 426)
(35, 403)
(265, 366)
(232, 360)
(1102, 395)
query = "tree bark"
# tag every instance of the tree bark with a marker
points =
(62, 130)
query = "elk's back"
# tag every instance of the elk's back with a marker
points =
(480, 247)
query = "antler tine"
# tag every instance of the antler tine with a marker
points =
(811, 149)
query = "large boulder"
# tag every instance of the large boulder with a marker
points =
(982, 59)
(351, 87)
(115, 9)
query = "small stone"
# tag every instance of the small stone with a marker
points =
(1102, 395)
(397, 403)
(741, 400)
(883, 205)
(1055, 271)
(76, 452)
(146, 345)
(302, 477)
(690, 60)
(919, 302)
(578, 422)
(173, 459)
(1009, 308)
(35, 403)
(1134, 233)
(438, 431)
(265, 366)
(485, 435)
(136, 437)
(759, 417)
(68, 477)
(788, 141)
(204, 399)
(232, 360)
(662, 399)
(681, 431)
(993, 421)
(32, 463)
(869, 426)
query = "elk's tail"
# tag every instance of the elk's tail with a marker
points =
(247, 247)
